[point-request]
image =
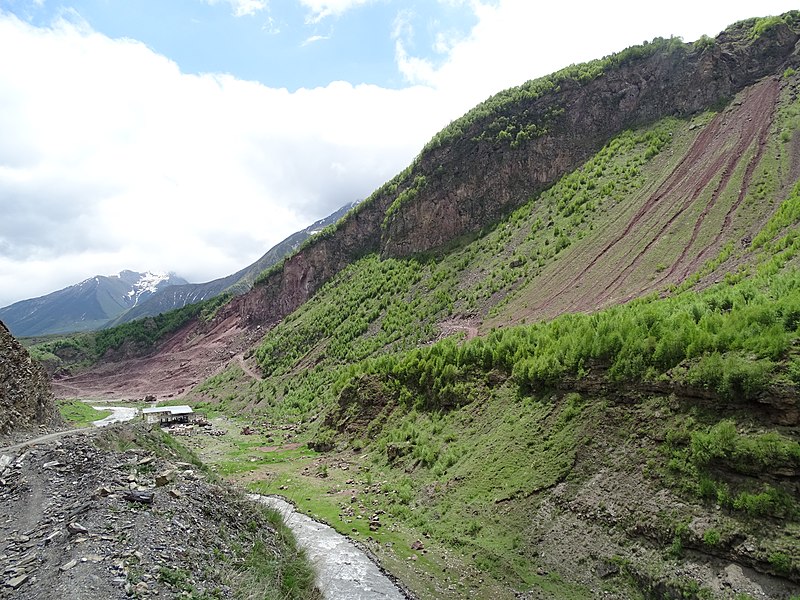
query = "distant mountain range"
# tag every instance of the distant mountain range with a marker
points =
(85, 306)
(104, 301)
(176, 296)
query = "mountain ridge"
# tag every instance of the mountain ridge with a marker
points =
(177, 296)
(84, 306)
(409, 215)
(595, 392)
(106, 301)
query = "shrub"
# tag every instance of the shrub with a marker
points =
(711, 537)
(781, 562)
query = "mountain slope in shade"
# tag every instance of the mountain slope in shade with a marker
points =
(177, 296)
(88, 305)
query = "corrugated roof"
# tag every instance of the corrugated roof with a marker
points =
(173, 410)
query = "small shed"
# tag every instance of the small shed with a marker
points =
(168, 415)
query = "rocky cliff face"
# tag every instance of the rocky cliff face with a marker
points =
(25, 397)
(472, 180)
(475, 181)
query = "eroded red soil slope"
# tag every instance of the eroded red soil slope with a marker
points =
(670, 229)
(187, 358)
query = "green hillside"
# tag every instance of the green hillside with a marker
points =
(556, 357)
(640, 449)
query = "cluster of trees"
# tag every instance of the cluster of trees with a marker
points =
(730, 340)
(145, 333)
(365, 308)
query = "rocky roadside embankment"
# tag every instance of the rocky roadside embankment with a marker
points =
(80, 521)
(25, 396)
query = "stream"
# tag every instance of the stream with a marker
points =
(343, 570)
(118, 415)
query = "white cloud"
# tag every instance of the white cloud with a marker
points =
(314, 38)
(517, 40)
(244, 8)
(271, 26)
(321, 9)
(112, 158)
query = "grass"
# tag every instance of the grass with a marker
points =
(265, 573)
(382, 487)
(79, 414)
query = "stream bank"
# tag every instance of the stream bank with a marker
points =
(343, 569)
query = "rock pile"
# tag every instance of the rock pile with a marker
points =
(80, 522)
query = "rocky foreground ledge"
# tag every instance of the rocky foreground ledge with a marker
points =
(120, 513)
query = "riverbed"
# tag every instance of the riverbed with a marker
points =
(343, 569)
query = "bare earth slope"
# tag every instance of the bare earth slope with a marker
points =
(670, 228)
(189, 356)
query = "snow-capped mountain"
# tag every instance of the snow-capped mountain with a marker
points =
(87, 305)
(147, 284)
(238, 283)
(105, 301)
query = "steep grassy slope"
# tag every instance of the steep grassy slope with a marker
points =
(642, 440)
(648, 450)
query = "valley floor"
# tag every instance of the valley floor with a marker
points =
(608, 534)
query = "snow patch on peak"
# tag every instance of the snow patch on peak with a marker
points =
(147, 284)
(149, 281)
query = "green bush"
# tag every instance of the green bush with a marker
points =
(711, 537)
(781, 562)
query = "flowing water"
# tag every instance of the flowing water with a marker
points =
(344, 572)
(118, 415)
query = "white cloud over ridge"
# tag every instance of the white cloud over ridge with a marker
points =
(112, 158)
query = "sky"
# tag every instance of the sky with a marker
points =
(190, 136)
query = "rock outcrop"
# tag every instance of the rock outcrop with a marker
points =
(25, 396)
(477, 179)
(471, 180)
(83, 520)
